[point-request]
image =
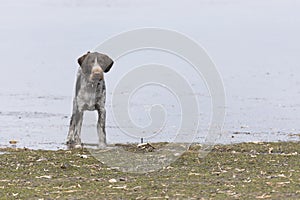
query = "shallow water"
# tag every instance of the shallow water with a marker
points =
(254, 45)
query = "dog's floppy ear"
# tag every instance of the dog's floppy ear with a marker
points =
(105, 62)
(81, 59)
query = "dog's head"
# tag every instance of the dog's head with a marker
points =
(93, 65)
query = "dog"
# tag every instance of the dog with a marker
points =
(90, 94)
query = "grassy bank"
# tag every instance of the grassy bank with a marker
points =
(240, 171)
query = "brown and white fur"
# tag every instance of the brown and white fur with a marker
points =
(90, 94)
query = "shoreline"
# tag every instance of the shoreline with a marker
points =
(236, 137)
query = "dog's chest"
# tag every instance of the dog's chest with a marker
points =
(89, 95)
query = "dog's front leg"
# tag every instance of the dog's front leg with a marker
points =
(101, 127)
(73, 139)
(100, 107)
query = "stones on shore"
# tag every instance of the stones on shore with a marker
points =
(146, 147)
(112, 180)
(13, 142)
(123, 179)
(82, 156)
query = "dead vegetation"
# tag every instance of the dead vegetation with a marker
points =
(241, 171)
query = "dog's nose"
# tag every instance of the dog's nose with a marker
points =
(97, 69)
(97, 73)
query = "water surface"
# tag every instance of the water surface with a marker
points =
(254, 44)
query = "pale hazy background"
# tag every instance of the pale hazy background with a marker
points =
(255, 45)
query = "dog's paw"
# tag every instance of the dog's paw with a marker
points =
(78, 146)
(102, 146)
(73, 145)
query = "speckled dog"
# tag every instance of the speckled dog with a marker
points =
(90, 94)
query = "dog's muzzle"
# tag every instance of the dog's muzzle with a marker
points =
(96, 74)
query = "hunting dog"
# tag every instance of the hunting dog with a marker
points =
(90, 94)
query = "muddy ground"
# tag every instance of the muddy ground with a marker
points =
(239, 171)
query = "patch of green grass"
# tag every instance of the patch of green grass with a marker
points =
(239, 171)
